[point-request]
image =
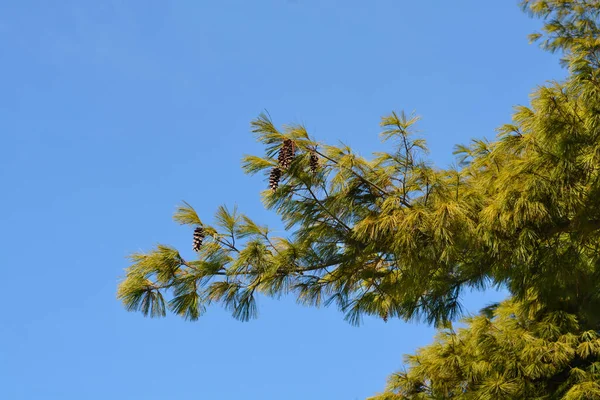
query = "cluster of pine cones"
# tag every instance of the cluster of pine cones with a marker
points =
(199, 236)
(285, 158)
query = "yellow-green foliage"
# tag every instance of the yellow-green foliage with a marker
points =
(394, 236)
(513, 353)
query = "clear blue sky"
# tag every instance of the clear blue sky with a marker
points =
(112, 112)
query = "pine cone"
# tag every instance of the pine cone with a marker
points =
(314, 162)
(274, 178)
(286, 153)
(199, 236)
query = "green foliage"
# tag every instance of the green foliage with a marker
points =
(186, 215)
(515, 354)
(394, 236)
(570, 25)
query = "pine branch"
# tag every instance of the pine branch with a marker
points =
(360, 177)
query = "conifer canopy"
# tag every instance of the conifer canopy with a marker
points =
(394, 236)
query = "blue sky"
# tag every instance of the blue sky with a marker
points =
(113, 112)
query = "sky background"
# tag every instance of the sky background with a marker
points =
(113, 112)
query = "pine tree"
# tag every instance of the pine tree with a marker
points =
(392, 236)
(504, 353)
